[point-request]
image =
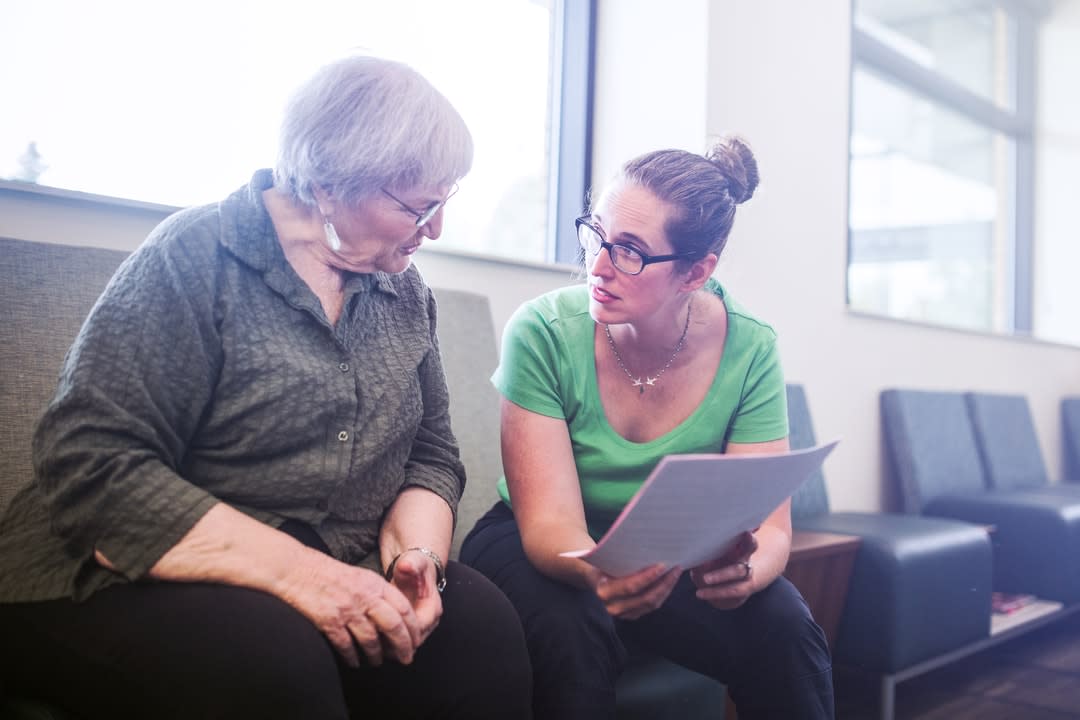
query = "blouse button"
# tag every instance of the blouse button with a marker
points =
(343, 435)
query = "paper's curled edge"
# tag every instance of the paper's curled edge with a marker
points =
(823, 448)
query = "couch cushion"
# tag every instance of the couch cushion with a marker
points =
(46, 294)
(1036, 537)
(469, 351)
(920, 587)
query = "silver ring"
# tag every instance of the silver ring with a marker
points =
(746, 564)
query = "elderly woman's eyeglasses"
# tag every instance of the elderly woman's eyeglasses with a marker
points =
(628, 259)
(423, 217)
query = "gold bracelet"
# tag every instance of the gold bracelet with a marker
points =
(440, 576)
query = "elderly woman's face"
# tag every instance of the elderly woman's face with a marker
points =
(381, 233)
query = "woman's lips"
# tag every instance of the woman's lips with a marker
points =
(601, 295)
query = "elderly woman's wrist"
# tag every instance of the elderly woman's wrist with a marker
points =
(440, 572)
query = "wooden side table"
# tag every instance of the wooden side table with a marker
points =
(820, 567)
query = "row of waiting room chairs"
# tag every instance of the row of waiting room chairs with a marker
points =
(979, 515)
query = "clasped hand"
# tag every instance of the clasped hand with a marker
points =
(724, 583)
(355, 607)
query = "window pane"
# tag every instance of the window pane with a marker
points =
(930, 215)
(972, 44)
(177, 104)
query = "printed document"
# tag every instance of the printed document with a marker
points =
(692, 508)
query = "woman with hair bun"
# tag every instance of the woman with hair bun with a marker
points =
(650, 357)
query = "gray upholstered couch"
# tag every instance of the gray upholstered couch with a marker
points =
(48, 289)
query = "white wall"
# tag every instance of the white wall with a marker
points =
(779, 73)
(1057, 242)
(775, 71)
(651, 61)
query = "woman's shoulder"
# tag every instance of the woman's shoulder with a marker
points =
(568, 304)
(742, 324)
(182, 246)
(408, 287)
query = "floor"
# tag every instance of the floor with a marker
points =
(1033, 677)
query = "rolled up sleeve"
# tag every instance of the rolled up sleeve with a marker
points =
(132, 389)
(434, 460)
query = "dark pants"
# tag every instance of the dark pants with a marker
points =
(769, 652)
(194, 650)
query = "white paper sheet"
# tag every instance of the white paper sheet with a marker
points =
(692, 508)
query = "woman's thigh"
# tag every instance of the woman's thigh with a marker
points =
(183, 650)
(575, 651)
(192, 650)
(769, 651)
(474, 665)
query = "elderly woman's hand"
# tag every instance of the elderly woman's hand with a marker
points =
(728, 581)
(355, 607)
(416, 577)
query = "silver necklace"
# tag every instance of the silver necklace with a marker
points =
(649, 379)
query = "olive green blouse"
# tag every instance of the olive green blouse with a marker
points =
(208, 372)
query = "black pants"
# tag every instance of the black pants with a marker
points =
(193, 650)
(769, 652)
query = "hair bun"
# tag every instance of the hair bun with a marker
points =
(736, 161)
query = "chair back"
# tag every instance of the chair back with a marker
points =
(1007, 441)
(811, 498)
(1070, 429)
(930, 445)
(470, 354)
(46, 293)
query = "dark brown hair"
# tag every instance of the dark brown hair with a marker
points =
(703, 191)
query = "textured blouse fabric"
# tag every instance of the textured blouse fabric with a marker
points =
(208, 372)
(548, 366)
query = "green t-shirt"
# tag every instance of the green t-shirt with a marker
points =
(548, 366)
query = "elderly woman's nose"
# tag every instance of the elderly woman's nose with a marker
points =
(432, 229)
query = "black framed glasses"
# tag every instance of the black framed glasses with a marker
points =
(626, 258)
(423, 217)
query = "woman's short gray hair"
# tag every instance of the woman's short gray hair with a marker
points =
(364, 123)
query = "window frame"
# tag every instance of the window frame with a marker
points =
(571, 103)
(1017, 124)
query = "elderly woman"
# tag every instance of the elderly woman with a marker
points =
(245, 485)
(652, 356)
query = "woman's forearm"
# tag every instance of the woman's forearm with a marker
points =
(418, 518)
(228, 547)
(544, 544)
(770, 558)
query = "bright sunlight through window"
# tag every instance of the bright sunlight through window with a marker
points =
(177, 104)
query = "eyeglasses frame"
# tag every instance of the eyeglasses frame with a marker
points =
(425, 216)
(646, 259)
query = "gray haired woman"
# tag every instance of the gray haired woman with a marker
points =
(245, 484)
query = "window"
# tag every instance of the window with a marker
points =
(950, 223)
(178, 104)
